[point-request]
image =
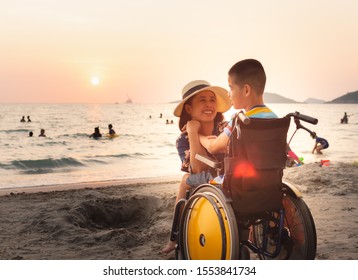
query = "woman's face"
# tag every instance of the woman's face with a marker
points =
(202, 107)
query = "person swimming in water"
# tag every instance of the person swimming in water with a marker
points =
(96, 134)
(42, 133)
(345, 117)
(111, 130)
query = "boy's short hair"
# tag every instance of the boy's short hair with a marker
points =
(251, 72)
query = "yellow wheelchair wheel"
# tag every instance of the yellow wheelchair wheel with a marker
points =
(208, 229)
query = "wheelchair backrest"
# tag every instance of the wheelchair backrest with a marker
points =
(254, 164)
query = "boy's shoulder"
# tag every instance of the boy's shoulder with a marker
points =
(261, 111)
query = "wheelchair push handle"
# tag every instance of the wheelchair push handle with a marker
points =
(243, 118)
(305, 118)
(297, 117)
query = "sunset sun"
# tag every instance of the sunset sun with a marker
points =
(94, 80)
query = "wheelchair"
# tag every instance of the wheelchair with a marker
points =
(253, 211)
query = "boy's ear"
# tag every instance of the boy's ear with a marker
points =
(247, 89)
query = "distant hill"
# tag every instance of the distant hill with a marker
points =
(314, 101)
(269, 98)
(350, 97)
(276, 98)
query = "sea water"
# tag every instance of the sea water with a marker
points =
(145, 147)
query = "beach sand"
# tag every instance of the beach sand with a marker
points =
(132, 219)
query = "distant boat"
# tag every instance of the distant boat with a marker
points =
(129, 100)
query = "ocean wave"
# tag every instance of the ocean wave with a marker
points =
(41, 165)
(124, 155)
(96, 161)
(56, 143)
(140, 154)
(15, 130)
(168, 143)
(76, 135)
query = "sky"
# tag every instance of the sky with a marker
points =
(50, 51)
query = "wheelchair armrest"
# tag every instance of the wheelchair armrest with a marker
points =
(208, 161)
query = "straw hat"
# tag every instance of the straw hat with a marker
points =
(222, 97)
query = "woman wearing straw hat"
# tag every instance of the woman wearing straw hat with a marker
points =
(200, 112)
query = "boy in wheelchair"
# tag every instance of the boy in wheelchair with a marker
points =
(247, 80)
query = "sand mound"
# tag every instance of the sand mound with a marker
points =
(335, 179)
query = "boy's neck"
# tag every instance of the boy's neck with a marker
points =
(255, 100)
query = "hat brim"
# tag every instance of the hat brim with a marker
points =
(222, 100)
